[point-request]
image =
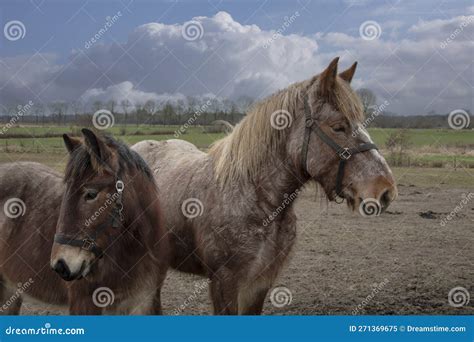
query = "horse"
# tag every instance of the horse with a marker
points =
(94, 242)
(230, 211)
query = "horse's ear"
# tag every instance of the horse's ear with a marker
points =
(327, 79)
(348, 74)
(71, 143)
(98, 150)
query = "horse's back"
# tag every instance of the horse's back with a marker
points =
(30, 196)
(168, 155)
(20, 177)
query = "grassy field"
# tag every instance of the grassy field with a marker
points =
(426, 147)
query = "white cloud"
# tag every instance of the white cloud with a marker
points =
(126, 91)
(232, 59)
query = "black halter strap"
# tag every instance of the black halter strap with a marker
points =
(114, 220)
(344, 153)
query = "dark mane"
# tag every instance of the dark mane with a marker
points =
(80, 161)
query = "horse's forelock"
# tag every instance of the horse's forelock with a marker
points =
(80, 162)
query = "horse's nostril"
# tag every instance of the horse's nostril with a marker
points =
(62, 269)
(385, 199)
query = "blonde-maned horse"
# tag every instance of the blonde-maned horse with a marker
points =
(230, 210)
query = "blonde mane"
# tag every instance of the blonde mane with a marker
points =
(253, 142)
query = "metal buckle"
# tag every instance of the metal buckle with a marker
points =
(87, 244)
(309, 123)
(344, 153)
(119, 186)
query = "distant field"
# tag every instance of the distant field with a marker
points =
(427, 147)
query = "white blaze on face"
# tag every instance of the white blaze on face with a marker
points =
(366, 137)
(378, 165)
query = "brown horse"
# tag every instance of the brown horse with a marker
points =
(109, 232)
(230, 210)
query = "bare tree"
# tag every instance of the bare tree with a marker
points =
(368, 99)
(59, 109)
(38, 110)
(97, 105)
(125, 104)
(111, 104)
(150, 107)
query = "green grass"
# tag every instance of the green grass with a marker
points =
(47, 140)
(130, 134)
(434, 177)
(426, 137)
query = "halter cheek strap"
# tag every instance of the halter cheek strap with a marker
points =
(344, 153)
(114, 220)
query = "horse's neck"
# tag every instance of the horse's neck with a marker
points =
(277, 183)
(140, 216)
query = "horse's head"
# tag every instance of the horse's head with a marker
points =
(331, 146)
(101, 189)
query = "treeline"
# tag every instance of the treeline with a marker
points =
(415, 121)
(167, 116)
(205, 115)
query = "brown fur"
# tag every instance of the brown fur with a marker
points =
(246, 177)
(135, 259)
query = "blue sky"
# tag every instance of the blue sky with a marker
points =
(405, 64)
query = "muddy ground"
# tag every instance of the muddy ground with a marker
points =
(402, 262)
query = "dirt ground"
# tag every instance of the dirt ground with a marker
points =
(402, 262)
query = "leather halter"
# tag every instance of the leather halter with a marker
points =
(344, 153)
(114, 220)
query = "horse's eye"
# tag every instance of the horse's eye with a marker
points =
(339, 129)
(90, 195)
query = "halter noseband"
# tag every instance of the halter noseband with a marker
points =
(114, 220)
(344, 153)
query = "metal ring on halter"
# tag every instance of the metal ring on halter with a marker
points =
(339, 199)
(119, 185)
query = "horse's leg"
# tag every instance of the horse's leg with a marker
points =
(156, 306)
(224, 296)
(251, 300)
(10, 300)
(156, 310)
